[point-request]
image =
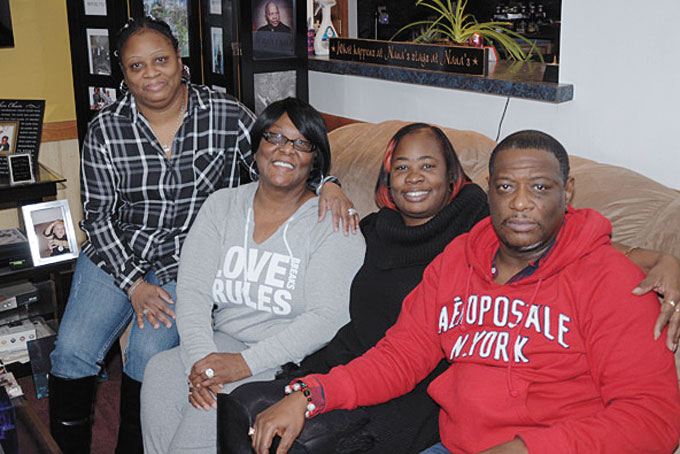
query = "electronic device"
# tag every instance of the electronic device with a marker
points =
(14, 338)
(14, 248)
(17, 295)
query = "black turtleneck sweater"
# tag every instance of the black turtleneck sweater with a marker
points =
(396, 256)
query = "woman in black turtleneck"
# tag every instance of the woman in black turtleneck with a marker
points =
(426, 201)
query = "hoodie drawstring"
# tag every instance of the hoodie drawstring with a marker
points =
(513, 339)
(468, 284)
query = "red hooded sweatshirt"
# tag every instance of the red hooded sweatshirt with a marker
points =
(564, 359)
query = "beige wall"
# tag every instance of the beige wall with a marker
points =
(39, 64)
(39, 67)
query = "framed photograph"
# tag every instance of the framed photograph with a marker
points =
(50, 232)
(8, 137)
(101, 97)
(98, 51)
(215, 7)
(20, 169)
(95, 7)
(176, 14)
(273, 29)
(217, 50)
(273, 86)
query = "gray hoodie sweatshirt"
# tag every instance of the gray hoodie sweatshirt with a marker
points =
(284, 298)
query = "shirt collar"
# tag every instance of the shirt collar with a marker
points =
(527, 270)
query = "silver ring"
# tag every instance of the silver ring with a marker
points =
(209, 373)
(672, 303)
(251, 431)
(145, 311)
(352, 212)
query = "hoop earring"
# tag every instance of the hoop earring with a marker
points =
(123, 87)
(252, 171)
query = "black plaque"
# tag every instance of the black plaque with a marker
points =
(20, 169)
(29, 115)
(433, 57)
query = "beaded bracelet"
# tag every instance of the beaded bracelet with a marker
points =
(299, 385)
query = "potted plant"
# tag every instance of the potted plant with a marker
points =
(452, 24)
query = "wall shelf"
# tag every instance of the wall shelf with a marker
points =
(506, 78)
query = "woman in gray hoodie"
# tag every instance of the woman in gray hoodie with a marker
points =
(260, 283)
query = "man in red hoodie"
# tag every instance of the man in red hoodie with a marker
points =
(549, 350)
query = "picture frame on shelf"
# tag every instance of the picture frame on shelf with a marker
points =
(20, 169)
(50, 231)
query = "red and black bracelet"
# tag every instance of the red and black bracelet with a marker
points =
(299, 385)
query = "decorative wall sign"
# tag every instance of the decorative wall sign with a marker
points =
(453, 59)
(21, 122)
(50, 232)
(20, 169)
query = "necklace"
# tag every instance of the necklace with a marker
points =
(167, 147)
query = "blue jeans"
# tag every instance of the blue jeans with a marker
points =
(96, 314)
(436, 449)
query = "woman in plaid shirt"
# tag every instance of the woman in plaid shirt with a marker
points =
(149, 161)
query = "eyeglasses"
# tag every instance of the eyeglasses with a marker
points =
(281, 141)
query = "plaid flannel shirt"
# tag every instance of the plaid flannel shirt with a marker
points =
(138, 206)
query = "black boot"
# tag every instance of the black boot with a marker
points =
(130, 429)
(72, 412)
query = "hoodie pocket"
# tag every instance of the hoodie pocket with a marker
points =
(479, 407)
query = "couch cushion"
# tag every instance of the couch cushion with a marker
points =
(643, 212)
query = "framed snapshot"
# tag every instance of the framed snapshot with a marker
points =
(98, 51)
(215, 7)
(273, 29)
(217, 50)
(20, 169)
(50, 232)
(176, 15)
(8, 137)
(95, 7)
(101, 97)
(273, 86)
